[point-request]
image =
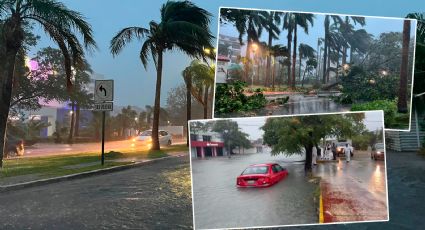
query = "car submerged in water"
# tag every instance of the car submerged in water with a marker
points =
(261, 175)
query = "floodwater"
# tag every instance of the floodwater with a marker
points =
(218, 203)
(297, 104)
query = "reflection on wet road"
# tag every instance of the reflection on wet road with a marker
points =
(219, 204)
(354, 191)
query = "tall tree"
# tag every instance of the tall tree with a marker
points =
(60, 23)
(305, 52)
(303, 20)
(183, 26)
(402, 93)
(327, 22)
(271, 23)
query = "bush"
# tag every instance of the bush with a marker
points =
(389, 108)
(230, 98)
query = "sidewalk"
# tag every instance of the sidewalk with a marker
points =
(354, 191)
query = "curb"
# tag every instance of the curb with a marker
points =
(36, 183)
(321, 218)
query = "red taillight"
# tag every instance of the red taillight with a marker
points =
(266, 180)
(238, 181)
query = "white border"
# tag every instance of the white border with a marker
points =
(293, 115)
(380, 17)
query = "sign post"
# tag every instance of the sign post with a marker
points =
(103, 97)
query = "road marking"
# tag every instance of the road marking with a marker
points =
(321, 210)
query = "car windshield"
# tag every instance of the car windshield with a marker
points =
(256, 170)
(379, 146)
(146, 133)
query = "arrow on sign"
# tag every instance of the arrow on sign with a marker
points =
(102, 89)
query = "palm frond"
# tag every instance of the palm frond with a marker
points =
(125, 36)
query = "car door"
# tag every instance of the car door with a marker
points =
(275, 174)
(162, 137)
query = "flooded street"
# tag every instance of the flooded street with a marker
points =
(297, 104)
(354, 191)
(219, 204)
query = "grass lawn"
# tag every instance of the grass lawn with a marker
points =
(52, 166)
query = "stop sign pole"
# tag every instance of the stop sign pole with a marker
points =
(103, 96)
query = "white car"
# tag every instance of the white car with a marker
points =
(145, 138)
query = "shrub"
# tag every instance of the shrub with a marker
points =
(230, 98)
(389, 108)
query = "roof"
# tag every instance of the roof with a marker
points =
(223, 58)
(264, 164)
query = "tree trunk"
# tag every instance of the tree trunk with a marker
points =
(328, 65)
(156, 109)
(402, 92)
(302, 81)
(247, 60)
(308, 157)
(206, 102)
(289, 56)
(71, 127)
(267, 84)
(299, 67)
(294, 57)
(273, 75)
(11, 40)
(325, 50)
(77, 121)
(188, 106)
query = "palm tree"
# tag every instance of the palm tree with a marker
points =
(338, 20)
(60, 23)
(187, 77)
(277, 51)
(305, 51)
(301, 20)
(402, 93)
(272, 20)
(183, 26)
(310, 64)
(202, 77)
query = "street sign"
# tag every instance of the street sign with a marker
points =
(105, 106)
(103, 90)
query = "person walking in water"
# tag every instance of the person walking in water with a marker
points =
(347, 151)
(314, 155)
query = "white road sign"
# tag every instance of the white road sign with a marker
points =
(103, 90)
(105, 106)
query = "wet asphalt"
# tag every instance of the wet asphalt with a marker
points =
(218, 203)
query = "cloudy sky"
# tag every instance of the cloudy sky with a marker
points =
(135, 86)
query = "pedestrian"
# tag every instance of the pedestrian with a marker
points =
(347, 151)
(334, 151)
(314, 155)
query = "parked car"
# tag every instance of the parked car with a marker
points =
(261, 175)
(378, 151)
(340, 148)
(145, 138)
(14, 146)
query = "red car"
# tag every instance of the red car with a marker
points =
(261, 175)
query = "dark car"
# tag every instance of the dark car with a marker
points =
(14, 146)
(378, 151)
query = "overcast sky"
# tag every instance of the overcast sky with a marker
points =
(135, 86)
(373, 121)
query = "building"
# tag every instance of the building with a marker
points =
(207, 144)
(402, 141)
(231, 45)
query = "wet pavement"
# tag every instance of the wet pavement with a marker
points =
(297, 104)
(354, 191)
(219, 204)
(50, 149)
(155, 196)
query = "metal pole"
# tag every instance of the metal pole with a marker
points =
(103, 137)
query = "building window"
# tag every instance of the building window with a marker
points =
(206, 138)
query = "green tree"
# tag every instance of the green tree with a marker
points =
(183, 26)
(60, 23)
(293, 135)
(305, 52)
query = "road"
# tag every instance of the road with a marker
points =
(155, 196)
(219, 204)
(49, 149)
(354, 191)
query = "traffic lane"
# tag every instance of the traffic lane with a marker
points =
(154, 196)
(218, 203)
(354, 191)
(50, 149)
